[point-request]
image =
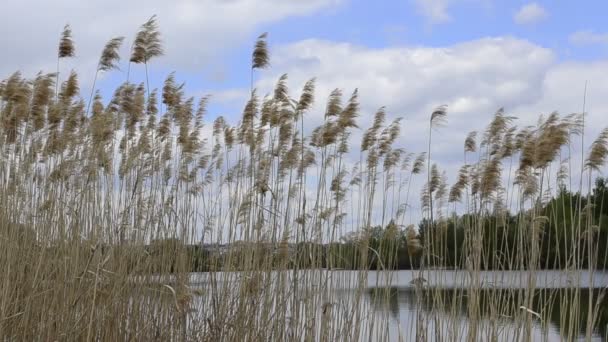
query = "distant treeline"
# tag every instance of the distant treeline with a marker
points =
(391, 247)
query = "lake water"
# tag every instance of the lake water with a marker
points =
(390, 306)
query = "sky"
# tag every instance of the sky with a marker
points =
(476, 56)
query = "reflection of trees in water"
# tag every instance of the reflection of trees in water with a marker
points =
(563, 304)
(552, 304)
(386, 299)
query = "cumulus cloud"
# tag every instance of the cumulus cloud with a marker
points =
(194, 32)
(563, 89)
(530, 14)
(473, 78)
(588, 37)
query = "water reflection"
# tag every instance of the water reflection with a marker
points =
(446, 311)
(387, 306)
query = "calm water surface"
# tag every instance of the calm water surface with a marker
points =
(396, 303)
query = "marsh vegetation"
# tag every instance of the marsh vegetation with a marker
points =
(106, 204)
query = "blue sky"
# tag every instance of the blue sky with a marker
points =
(217, 55)
(409, 23)
(386, 23)
(379, 24)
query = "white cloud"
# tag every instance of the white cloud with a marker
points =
(588, 38)
(238, 96)
(193, 32)
(435, 11)
(563, 89)
(530, 14)
(474, 78)
(438, 11)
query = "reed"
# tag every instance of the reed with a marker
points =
(120, 219)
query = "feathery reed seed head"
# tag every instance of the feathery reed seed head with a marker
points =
(66, 44)
(109, 55)
(260, 58)
(147, 44)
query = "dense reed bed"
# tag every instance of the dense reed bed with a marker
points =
(103, 203)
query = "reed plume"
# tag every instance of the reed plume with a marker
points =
(461, 183)
(334, 103)
(370, 135)
(260, 58)
(147, 45)
(66, 49)
(470, 143)
(599, 152)
(109, 55)
(347, 116)
(107, 61)
(66, 44)
(438, 118)
(138, 223)
(70, 88)
(418, 165)
(307, 97)
(42, 93)
(281, 92)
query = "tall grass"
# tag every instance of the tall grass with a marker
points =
(103, 203)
